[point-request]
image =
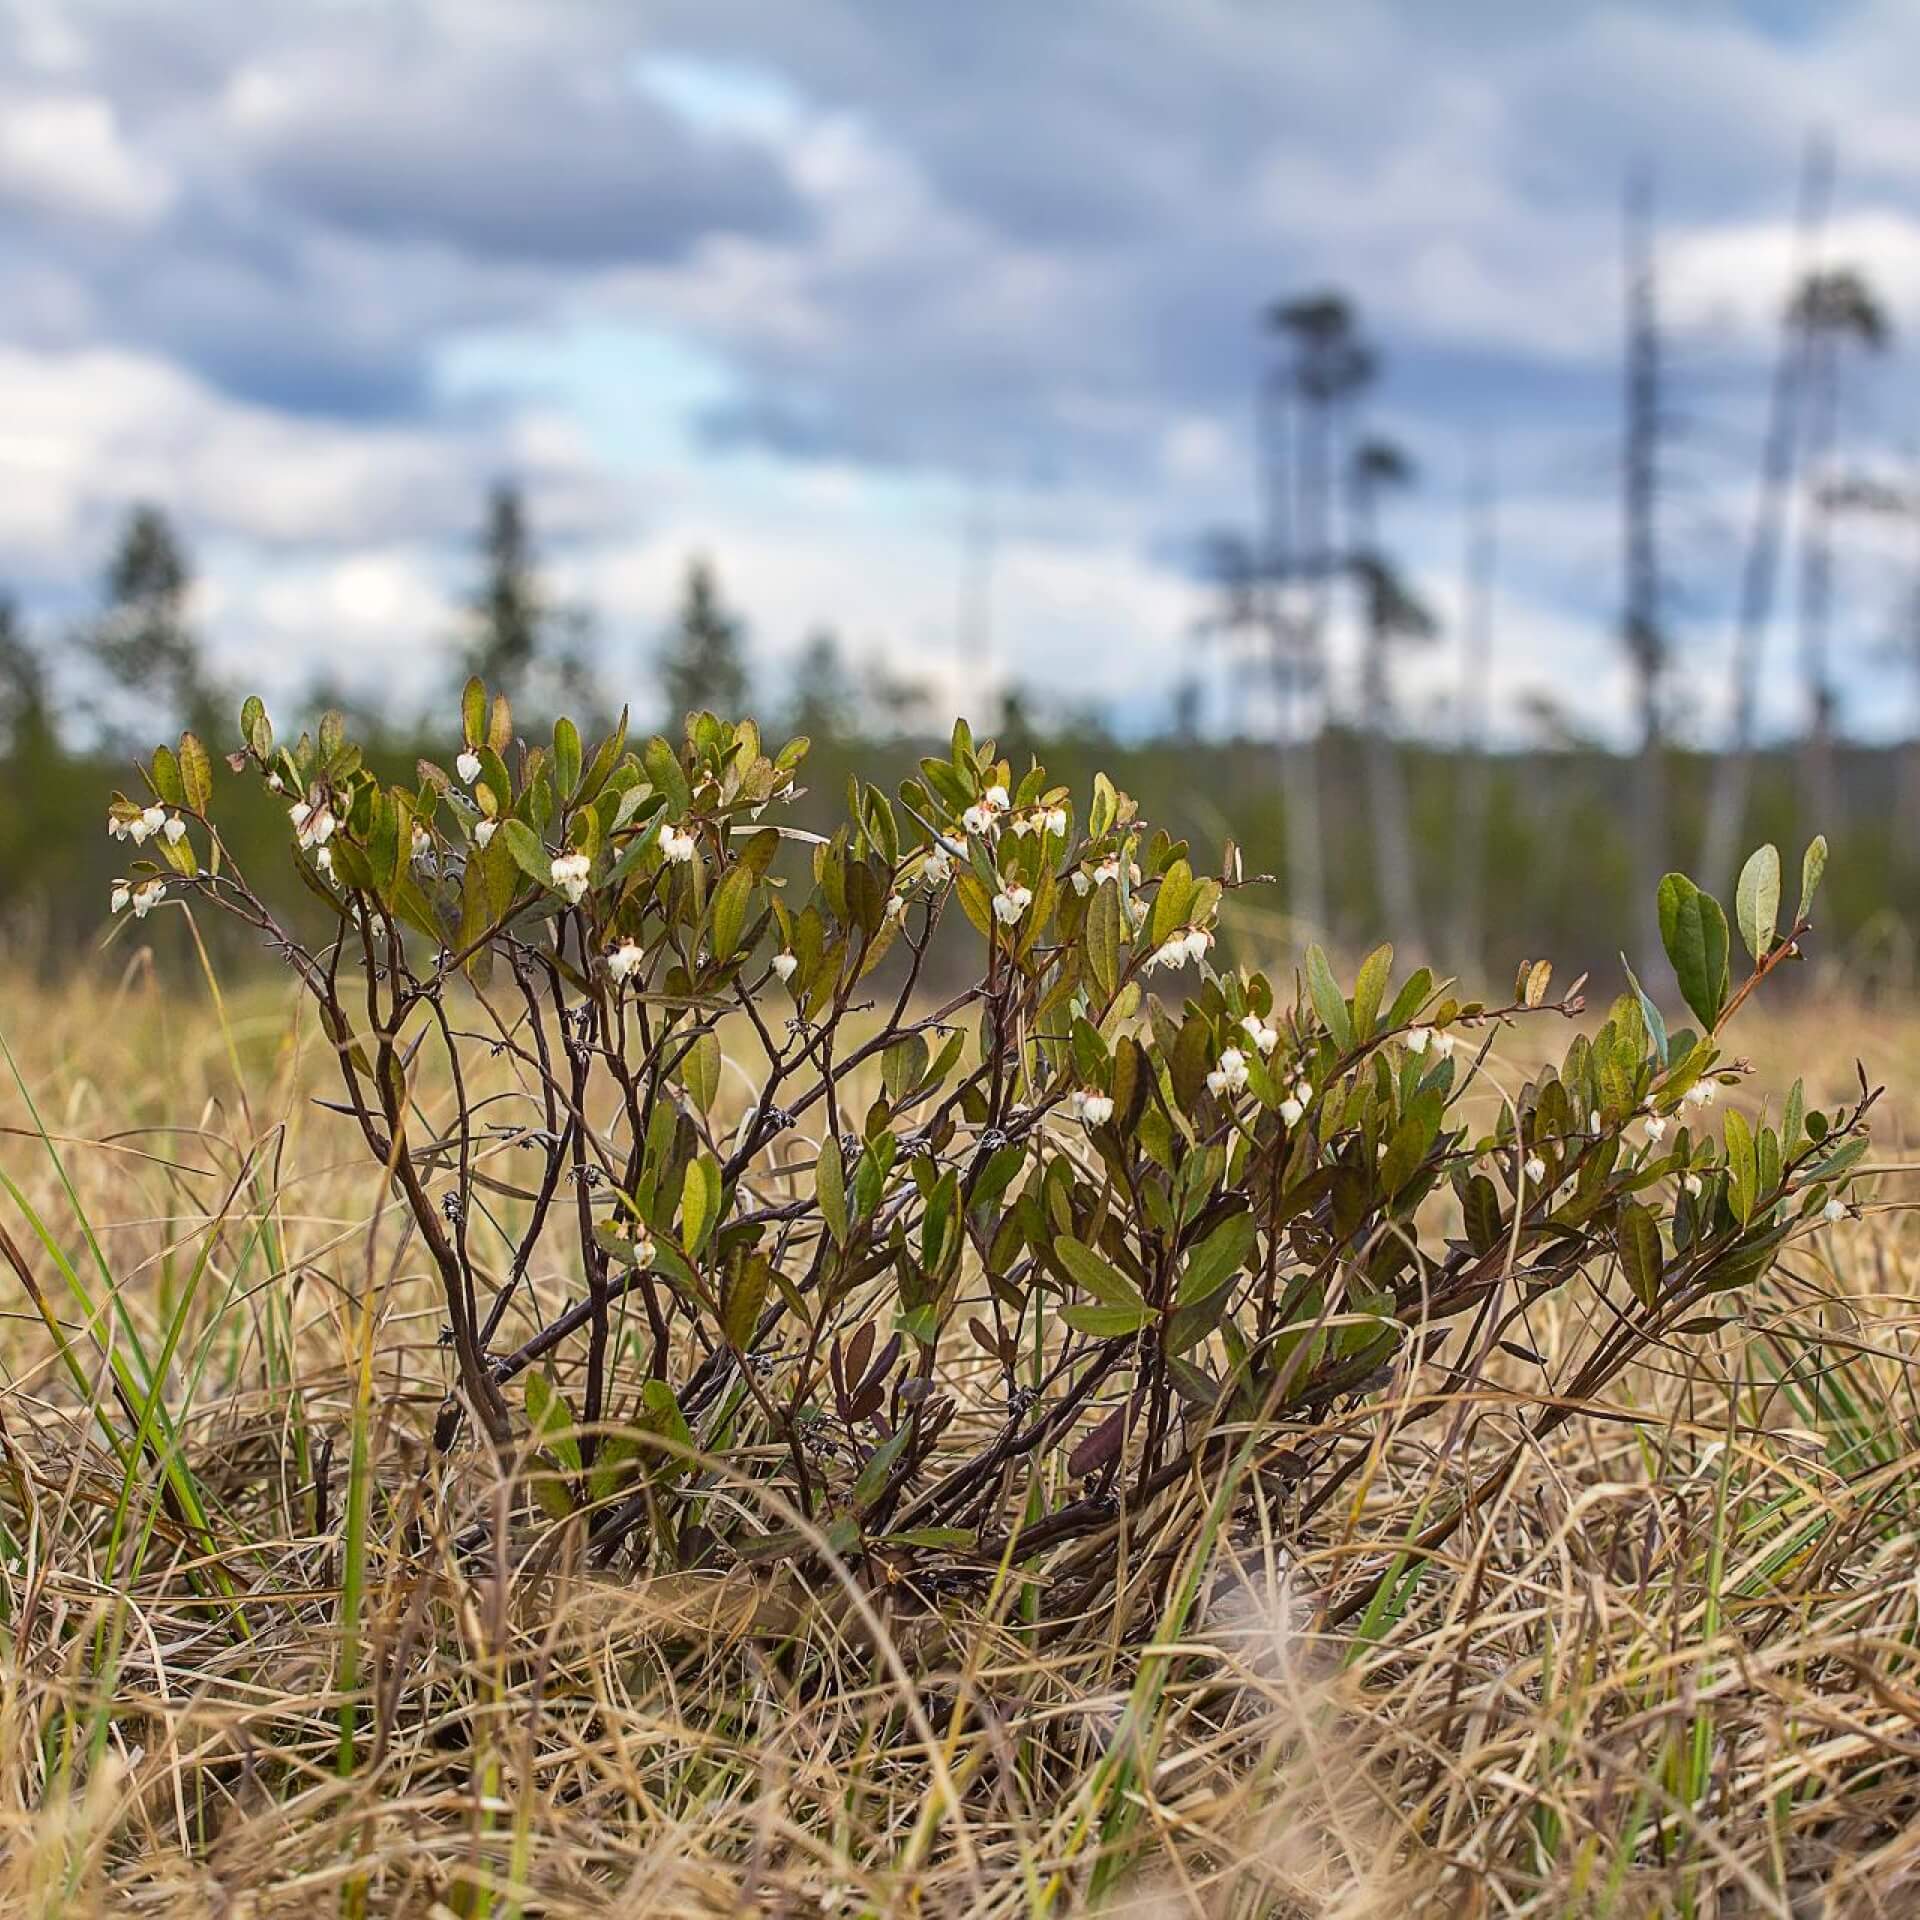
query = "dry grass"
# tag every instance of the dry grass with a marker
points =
(1671, 1669)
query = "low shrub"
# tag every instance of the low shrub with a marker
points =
(1176, 1212)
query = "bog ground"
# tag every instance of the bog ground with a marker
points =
(1670, 1668)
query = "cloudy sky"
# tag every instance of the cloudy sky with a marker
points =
(889, 305)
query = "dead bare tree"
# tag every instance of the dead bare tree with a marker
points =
(1834, 310)
(1474, 788)
(1642, 630)
(1305, 407)
(1865, 495)
(1733, 772)
(1391, 616)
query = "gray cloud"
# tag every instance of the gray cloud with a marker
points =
(1008, 243)
(537, 161)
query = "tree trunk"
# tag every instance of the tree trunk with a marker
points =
(1733, 772)
(1392, 845)
(1817, 814)
(1641, 624)
(1306, 859)
(1300, 795)
(1475, 784)
(1288, 656)
(1386, 780)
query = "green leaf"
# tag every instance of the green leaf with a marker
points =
(1187, 1326)
(878, 1468)
(553, 1422)
(1746, 1260)
(1638, 1238)
(1839, 1160)
(1656, 1025)
(1812, 866)
(1107, 1323)
(1328, 1001)
(1100, 1278)
(638, 846)
(1370, 989)
(1216, 1259)
(196, 772)
(1756, 901)
(746, 1296)
(700, 1071)
(566, 758)
(1742, 1166)
(1693, 929)
(830, 1188)
(486, 892)
(901, 1066)
(663, 769)
(699, 1201)
(730, 900)
(255, 728)
(528, 854)
(1793, 1120)
(1481, 1209)
(1103, 938)
(1411, 997)
(1406, 1148)
(613, 1461)
(1105, 808)
(165, 774)
(473, 712)
(964, 1539)
(1172, 902)
(660, 1414)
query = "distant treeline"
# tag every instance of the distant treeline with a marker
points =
(1492, 857)
(1556, 857)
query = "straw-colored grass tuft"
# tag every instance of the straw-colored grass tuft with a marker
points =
(263, 1653)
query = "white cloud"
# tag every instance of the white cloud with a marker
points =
(892, 258)
(378, 621)
(1739, 274)
(84, 433)
(63, 154)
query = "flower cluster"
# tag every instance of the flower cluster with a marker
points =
(1011, 902)
(313, 826)
(569, 875)
(676, 845)
(142, 898)
(1094, 1109)
(984, 815)
(1105, 874)
(146, 824)
(1190, 943)
(1230, 1076)
(1042, 820)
